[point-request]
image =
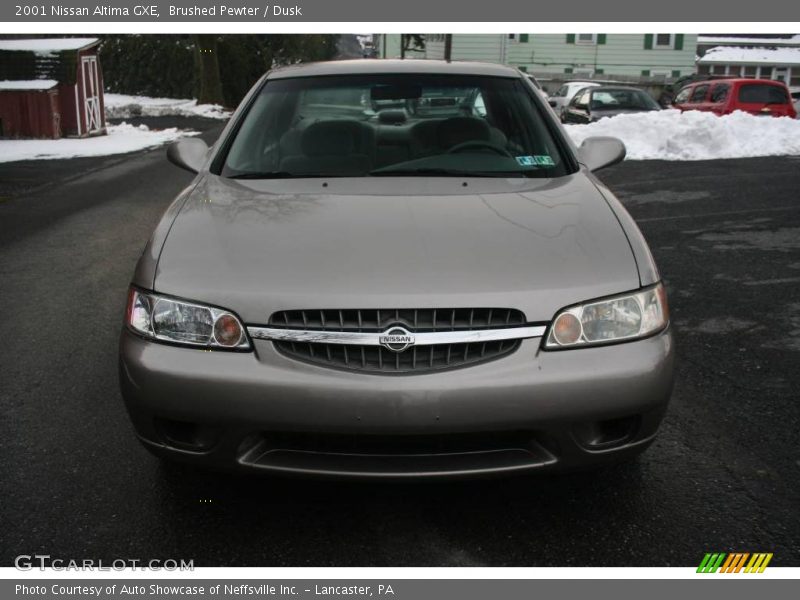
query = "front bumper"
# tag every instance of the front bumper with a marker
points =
(532, 410)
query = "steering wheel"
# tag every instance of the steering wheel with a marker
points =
(473, 144)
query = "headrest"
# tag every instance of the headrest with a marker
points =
(329, 138)
(458, 130)
(392, 116)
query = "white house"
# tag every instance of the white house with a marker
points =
(667, 55)
(756, 57)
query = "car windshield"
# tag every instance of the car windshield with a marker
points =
(377, 125)
(622, 99)
(760, 93)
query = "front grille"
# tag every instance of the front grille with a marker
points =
(432, 319)
(417, 359)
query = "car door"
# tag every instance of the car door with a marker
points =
(718, 98)
(577, 110)
(699, 98)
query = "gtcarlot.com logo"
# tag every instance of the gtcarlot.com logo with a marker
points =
(735, 562)
(27, 562)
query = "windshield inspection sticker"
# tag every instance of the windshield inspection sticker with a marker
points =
(538, 160)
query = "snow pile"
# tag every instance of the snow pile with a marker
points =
(122, 106)
(695, 135)
(120, 139)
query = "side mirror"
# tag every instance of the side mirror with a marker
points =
(188, 153)
(596, 153)
(552, 103)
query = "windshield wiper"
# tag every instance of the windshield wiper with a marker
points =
(424, 171)
(282, 175)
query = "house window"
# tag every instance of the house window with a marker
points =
(664, 40)
(586, 38)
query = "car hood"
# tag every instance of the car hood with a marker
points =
(256, 247)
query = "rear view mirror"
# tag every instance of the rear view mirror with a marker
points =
(188, 153)
(596, 153)
(396, 92)
(552, 103)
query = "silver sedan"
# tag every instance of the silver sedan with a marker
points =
(396, 269)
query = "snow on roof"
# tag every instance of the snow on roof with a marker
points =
(755, 40)
(33, 84)
(739, 55)
(47, 45)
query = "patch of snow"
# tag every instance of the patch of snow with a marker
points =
(737, 54)
(122, 106)
(33, 84)
(695, 135)
(121, 138)
(47, 45)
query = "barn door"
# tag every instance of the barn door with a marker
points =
(91, 91)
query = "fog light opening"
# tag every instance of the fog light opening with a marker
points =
(599, 435)
(184, 435)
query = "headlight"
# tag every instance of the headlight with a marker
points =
(181, 322)
(619, 318)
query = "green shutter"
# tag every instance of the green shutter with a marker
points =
(598, 71)
(568, 70)
(523, 38)
(678, 41)
(676, 73)
(570, 38)
(601, 39)
(646, 73)
(648, 41)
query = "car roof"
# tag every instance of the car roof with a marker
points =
(391, 66)
(735, 80)
(606, 88)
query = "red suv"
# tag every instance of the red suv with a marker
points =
(723, 96)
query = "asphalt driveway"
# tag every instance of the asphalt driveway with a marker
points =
(724, 475)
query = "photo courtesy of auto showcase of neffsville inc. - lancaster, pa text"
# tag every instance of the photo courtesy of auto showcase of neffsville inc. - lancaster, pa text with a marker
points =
(297, 303)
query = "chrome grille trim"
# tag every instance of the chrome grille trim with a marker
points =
(359, 338)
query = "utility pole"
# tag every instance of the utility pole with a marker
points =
(448, 46)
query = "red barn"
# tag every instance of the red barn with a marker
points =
(51, 87)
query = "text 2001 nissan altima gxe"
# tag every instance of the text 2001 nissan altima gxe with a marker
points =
(396, 269)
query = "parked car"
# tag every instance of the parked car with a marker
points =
(594, 103)
(761, 97)
(565, 93)
(387, 294)
(667, 96)
(796, 103)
